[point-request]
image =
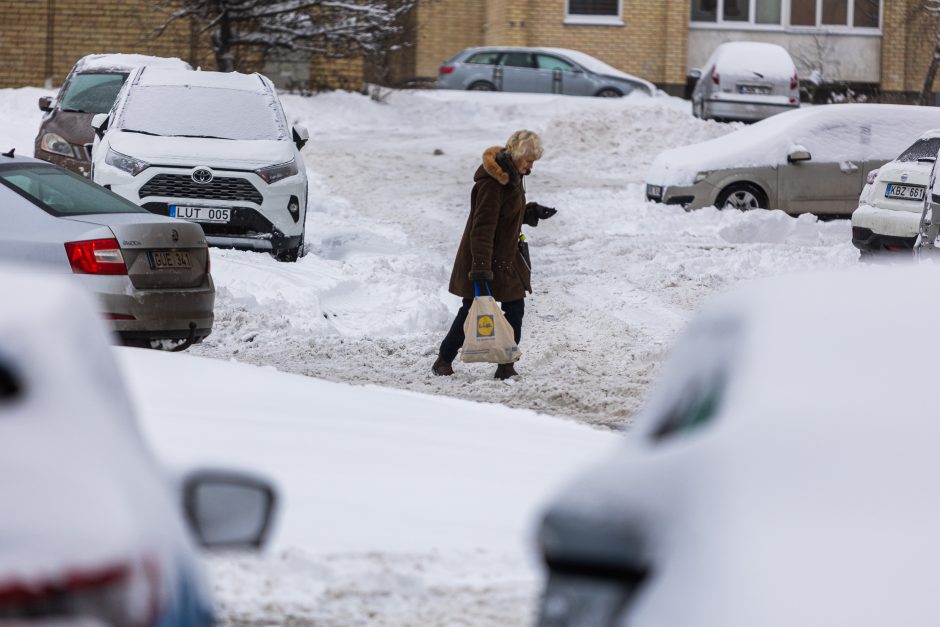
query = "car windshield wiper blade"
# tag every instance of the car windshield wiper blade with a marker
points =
(134, 130)
(204, 137)
(74, 110)
(927, 159)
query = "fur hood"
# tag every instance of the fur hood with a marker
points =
(497, 164)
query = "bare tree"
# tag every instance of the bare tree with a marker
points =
(334, 28)
(933, 8)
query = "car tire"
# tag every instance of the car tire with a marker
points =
(292, 254)
(608, 92)
(742, 196)
(481, 86)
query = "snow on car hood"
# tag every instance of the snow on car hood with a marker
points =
(831, 133)
(193, 151)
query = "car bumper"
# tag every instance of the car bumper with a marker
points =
(156, 313)
(689, 196)
(267, 225)
(79, 166)
(875, 229)
(743, 110)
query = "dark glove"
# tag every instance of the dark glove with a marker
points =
(481, 275)
(541, 211)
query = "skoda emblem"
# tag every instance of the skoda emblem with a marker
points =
(174, 235)
(904, 177)
(202, 175)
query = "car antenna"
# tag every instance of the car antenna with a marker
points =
(9, 154)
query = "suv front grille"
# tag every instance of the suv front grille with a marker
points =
(227, 188)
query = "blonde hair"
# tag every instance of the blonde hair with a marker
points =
(524, 144)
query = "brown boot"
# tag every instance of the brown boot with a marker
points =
(442, 368)
(504, 371)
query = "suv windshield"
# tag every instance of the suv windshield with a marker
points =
(92, 93)
(63, 193)
(185, 111)
(921, 149)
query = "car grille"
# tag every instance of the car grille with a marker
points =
(183, 186)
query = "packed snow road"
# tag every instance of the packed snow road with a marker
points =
(614, 276)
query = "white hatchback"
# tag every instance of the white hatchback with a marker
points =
(210, 147)
(889, 208)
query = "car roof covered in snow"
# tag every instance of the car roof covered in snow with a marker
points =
(816, 469)
(127, 62)
(746, 57)
(221, 80)
(831, 133)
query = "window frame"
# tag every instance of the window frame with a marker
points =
(595, 20)
(848, 29)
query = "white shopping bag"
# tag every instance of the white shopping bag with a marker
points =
(488, 336)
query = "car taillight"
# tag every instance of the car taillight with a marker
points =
(794, 82)
(715, 78)
(96, 256)
(872, 176)
(446, 69)
(116, 595)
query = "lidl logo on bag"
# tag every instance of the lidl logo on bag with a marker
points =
(485, 326)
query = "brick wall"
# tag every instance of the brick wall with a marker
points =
(81, 27)
(651, 43)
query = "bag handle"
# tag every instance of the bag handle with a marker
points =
(476, 289)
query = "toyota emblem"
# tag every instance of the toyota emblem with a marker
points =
(202, 175)
(174, 235)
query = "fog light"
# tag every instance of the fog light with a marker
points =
(294, 208)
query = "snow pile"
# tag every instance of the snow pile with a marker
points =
(831, 133)
(776, 227)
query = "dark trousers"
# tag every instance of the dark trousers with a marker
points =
(513, 310)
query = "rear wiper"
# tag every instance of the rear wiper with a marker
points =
(758, 74)
(134, 130)
(203, 136)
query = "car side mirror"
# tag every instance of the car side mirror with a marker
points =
(45, 103)
(694, 74)
(301, 136)
(798, 155)
(100, 124)
(228, 510)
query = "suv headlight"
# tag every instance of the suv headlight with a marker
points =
(55, 143)
(127, 164)
(701, 176)
(275, 173)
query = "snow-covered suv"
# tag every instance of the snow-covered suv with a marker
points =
(210, 147)
(889, 209)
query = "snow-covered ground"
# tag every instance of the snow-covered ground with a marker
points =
(615, 277)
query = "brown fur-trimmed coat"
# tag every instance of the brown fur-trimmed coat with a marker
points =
(491, 238)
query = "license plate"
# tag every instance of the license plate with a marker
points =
(905, 192)
(754, 89)
(654, 191)
(169, 259)
(200, 214)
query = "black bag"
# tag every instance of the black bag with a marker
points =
(524, 251)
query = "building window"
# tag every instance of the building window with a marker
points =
(594, 7)
(824, 14)
(594, 12)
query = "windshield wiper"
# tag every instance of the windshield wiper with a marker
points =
(926, 159)
(203, 137)
(75, 110)
(134, 130)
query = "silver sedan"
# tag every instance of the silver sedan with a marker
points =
(151, 273)
(538, 70)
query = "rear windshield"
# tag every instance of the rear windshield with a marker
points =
(63, 193)
(184, 111)
(921, 149)
(92, 93)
